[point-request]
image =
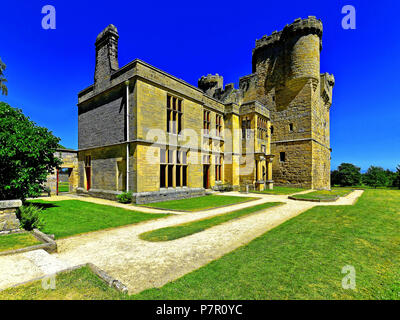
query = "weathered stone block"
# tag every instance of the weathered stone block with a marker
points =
(8, 217)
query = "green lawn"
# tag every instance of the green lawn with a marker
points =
(186, 229)
(303, 258)
(300, 259)
(199, 203)
(324, 194)
(70, 217)
(17, 241)
(80, 284)
(280, 190)
(63, 187)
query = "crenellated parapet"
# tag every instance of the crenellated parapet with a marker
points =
(311, 25)
(210, 83)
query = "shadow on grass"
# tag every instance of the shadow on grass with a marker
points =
(41, 205)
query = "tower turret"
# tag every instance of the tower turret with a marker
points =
(210, 83)
(286, 65)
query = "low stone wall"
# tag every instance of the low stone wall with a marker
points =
(167, 194)
(145, 197)
(8, 217)
(98, 193)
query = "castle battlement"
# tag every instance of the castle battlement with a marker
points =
(210, 83)
(310, 25)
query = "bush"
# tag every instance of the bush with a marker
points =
(29, 217)
(125, 197)
(27, 155)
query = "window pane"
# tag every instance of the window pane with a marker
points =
(170, 156)
(184, 176)
(184, 155)
(162, 175)
(178, 176)
(170, 175)
(162, 156)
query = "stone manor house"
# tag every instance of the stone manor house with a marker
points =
(146, 131)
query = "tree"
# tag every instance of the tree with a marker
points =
(335, 180)
(391, 176)
(26, 154)
(347, 174)
(376, 177)
(396, 181)
(3, 80)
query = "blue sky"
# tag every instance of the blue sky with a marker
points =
(47, 68)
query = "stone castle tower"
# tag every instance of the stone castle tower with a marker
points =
(287, 68)
(286, 79)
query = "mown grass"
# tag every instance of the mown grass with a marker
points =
(303, 258)
(300, 259)
(70, 217)
(186, 229)
(63, 187)
(17, 241)
(280, 190)
(79, 284)
(324, 194)
(199, 203)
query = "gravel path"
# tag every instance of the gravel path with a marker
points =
(141, 265)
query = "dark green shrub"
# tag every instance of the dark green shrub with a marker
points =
(125, 197)
(27, 155)
(29, 217)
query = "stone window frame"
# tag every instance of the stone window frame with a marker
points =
(175, 108)
(173, 161)
(218, 125)
(291, 127)
(206, 121)
(262, 128)
(282, 153)
(218, 167)
(246, 128)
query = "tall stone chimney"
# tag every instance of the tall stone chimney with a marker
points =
(106, 56)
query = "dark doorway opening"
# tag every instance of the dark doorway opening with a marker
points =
(206, 176)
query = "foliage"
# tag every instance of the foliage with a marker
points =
(396, 181)
(346, 175)
(26, 155)
(375, 177)
(29, 217)
(3, 80)
(125, 197)
(391, 176)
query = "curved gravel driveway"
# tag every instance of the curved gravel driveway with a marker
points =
(140, 264)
